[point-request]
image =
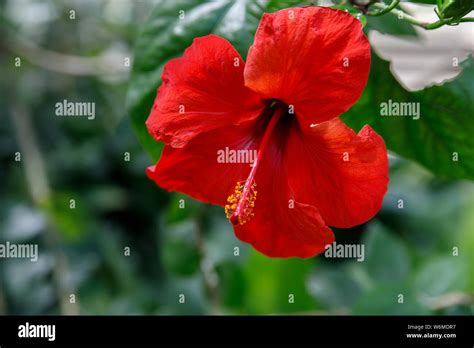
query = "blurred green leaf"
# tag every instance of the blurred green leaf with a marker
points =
(386, 300)
(466, 240)
(272, 282)
(171, 28)
(232, 285)
(183, 296)
(442, 275)
(69, 213)
(421, 193)
(107, 198)
(23, 276)
(181, 207)
(180, 253)
(387, 259)
(221, 241)
(337, 286)
(275, 5)
(445, 126)
(120, 267)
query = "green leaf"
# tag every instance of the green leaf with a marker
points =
(232, 285)
(275, 5)
(421, 195)
(455, 9)
(389, 24)
(271, 282)
(338, 286)
(466, 239)
(387, 259)
(220, 242)
(181, 207)
(395, 299)
(445, 126)
(70, 214)
(189, 290)
(443, 275)
(180, 253)
(167, 33)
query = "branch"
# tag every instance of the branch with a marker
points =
(383, 9)
(451, 299)
(105, 64)
(387, 9)
(38, 186)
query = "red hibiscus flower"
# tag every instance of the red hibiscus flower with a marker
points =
(306, 67)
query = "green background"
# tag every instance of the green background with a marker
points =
(190, 251)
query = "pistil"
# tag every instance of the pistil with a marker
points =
(241, 203)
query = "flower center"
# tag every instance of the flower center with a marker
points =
(240, 204)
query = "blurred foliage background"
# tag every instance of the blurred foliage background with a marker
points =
(128, 248)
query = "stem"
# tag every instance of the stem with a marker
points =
(415, 21)
(38, 186)
(385, 10)
(102, 64)
(450, 300)
(465, 20)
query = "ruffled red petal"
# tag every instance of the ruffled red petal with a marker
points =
(344, 174)
(314, 58)
(202, 90)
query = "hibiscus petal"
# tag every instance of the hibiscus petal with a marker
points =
(196, 170)
(316, 59)
(282, 226)
(295, 232)
(344, 174)
(202, 90)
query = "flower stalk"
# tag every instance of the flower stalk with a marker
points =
(384, 9)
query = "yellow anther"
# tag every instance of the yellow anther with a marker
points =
(241, 203)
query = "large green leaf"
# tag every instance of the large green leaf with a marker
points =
(171, 28)
(444, 128)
